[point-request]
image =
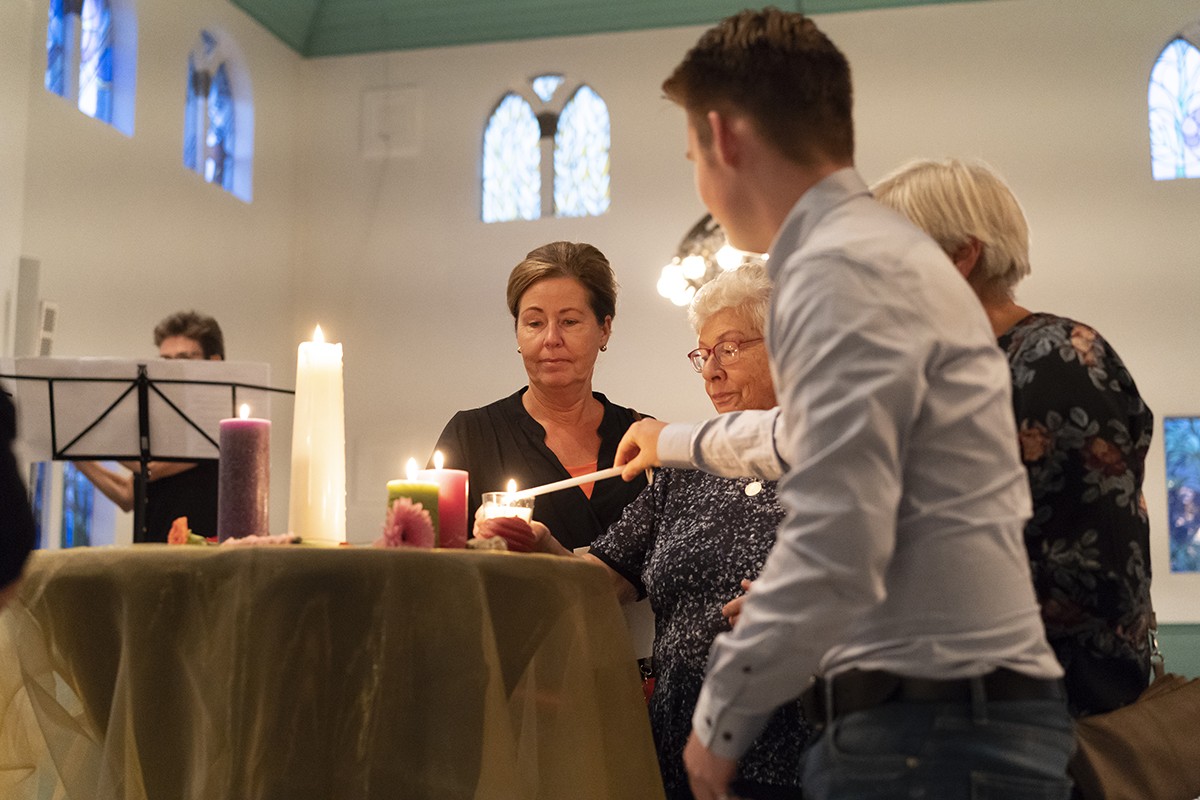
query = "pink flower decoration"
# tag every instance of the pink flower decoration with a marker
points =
(408, 525)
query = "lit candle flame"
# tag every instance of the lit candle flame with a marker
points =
(512, 487)
(411, 469)
(244, 411)
(437, 459)
(318, 336)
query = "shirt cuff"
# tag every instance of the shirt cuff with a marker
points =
(675, 445)
(723, 729)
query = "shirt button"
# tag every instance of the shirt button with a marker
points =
(727, 736)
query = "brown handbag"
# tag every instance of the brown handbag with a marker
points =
(1148, 750)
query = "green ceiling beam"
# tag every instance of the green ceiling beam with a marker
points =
(342, 27)
(289, 20)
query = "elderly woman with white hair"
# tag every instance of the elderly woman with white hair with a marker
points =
(691, 541)
(1083, 431)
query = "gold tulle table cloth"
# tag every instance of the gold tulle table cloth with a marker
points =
(158, 672)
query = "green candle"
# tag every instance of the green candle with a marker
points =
(424, 492)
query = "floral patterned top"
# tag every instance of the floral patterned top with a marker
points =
(1084, 431)
(687, 541)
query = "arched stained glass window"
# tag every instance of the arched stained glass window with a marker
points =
(213, 122)
(544, 86)
(218, 146)
(96, 60)
(79, 55)
(56, 49)
(539, 154)
(512, 180)
(192, 130)
(581, 146)
(1174, 100)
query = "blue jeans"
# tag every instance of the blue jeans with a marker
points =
(1012, 750)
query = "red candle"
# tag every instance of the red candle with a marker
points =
(452, 502)
(244, 477)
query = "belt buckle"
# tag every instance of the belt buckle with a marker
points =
(814, 703)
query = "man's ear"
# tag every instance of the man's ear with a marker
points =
(966, 257)
(726, 138)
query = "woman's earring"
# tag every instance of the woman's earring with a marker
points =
(518, 349)
(603, 348)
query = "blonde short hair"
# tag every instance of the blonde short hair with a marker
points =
(954, 201)
(746, 289)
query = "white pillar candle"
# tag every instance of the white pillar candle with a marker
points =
(317, 506)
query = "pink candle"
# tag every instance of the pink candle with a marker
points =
(452, 502)
(244, 477)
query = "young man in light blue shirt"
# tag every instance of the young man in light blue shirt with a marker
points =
(899, 576)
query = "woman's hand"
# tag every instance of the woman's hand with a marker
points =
(733, 609)
(519, 535)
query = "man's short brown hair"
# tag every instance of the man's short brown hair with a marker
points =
(201, 329)
(779, 70)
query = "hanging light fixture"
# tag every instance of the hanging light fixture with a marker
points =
(703, 253)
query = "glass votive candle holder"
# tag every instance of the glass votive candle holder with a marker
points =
(506, 504)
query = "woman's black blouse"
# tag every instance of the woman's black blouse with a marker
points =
(501, 442)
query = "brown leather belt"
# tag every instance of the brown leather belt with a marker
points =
(859, 690)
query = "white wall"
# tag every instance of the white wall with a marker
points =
(127, 235)
(16, 29)
(390, 257)
(393, 257)
(1054, 95)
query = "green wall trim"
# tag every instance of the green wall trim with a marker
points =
(1181, 648)
(316, 28)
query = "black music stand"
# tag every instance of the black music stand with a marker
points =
(119, 410)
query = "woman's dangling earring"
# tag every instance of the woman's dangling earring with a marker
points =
(603, 348)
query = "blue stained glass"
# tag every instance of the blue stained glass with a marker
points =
(1181, 441)
(512, 156)
(56, 54)
(218, 143)
(544, 86)
(1174, 100)
(77, 508)
(209, 42)
(189, 118)
(95, 60)
(39, 481)
(581, 161)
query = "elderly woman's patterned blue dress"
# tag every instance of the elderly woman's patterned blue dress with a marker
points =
(687, 541)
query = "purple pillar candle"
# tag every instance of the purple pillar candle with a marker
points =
(245, 477)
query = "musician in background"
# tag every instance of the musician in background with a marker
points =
(175, 488)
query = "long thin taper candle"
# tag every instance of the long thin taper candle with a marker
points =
(611, 472)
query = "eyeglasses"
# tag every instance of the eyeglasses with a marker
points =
(726, 352)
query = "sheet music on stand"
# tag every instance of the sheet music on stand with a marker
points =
(132, 410)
